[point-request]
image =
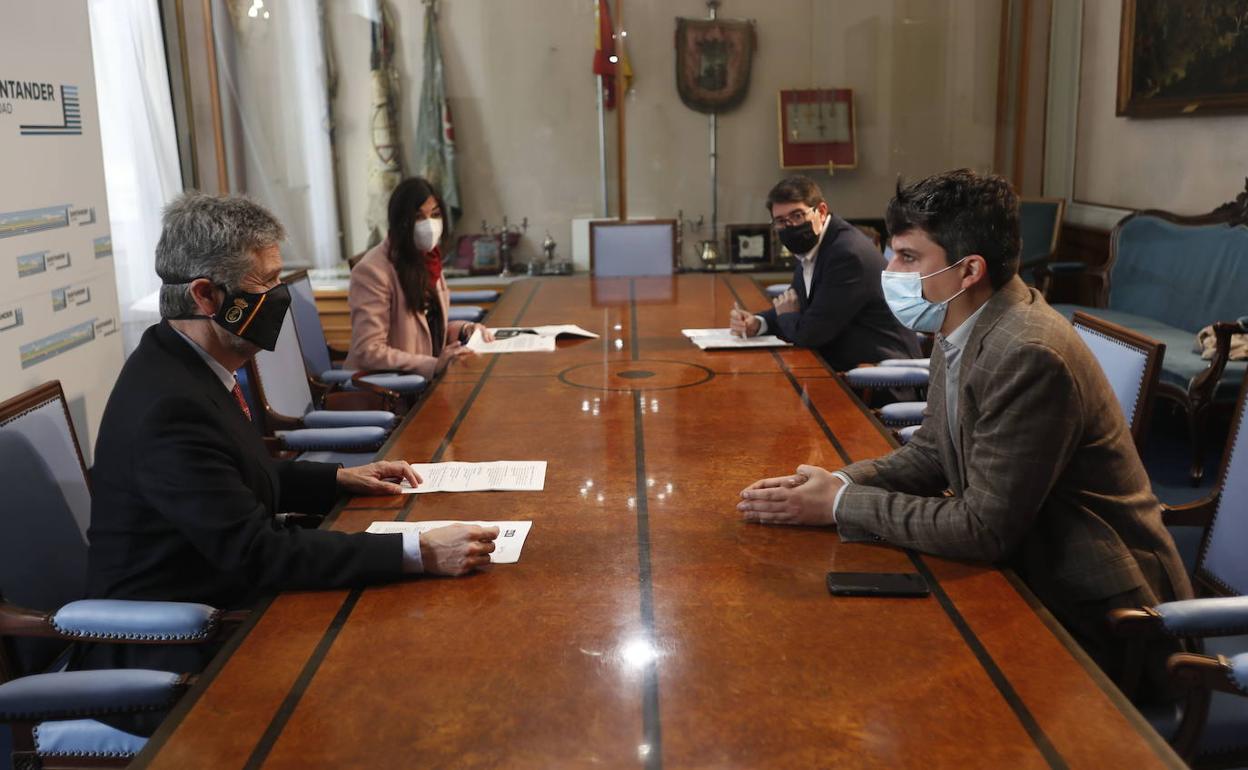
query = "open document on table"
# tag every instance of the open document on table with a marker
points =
(525, 339)
(708, 339)
(496, 476)
(511, 534)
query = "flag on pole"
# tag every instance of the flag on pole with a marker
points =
(435, 135)
(385, 166)
(608, 53)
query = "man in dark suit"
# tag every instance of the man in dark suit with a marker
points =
(185, 494)
(1021, 424)
(834, 305)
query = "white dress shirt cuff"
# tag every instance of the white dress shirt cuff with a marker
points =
(762, 325)
(836, 501)
(412, 563)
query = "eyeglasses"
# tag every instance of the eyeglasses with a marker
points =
(791, 220)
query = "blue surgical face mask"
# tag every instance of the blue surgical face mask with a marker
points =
(904, 294)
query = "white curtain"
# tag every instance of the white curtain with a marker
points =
(273, 73)
(140, 147)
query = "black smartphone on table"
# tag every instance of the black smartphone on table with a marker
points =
(903, 584)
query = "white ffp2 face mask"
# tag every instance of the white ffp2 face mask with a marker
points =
(904, 294)
(427, 233)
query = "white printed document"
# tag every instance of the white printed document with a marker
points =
(525, 339)
(520, 343)
(511, 534)
(497, 476)
(711, 339)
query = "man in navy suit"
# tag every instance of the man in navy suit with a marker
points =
(835, 305)
(185, 493)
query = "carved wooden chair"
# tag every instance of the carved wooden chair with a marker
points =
(396, 390)
(43, 559)
(1213, 726)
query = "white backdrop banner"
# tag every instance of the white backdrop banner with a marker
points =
(58, 298)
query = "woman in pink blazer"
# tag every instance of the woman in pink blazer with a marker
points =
(398, 298)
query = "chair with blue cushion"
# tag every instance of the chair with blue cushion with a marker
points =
(473, 313)
(1131, 362)
(776, 289)
(1213, 725)
(473, 296)
(1168, 276)
(346, 446)
(397, 389)
(1040, 225)
(43, 560)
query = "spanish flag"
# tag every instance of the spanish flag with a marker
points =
(608, 52)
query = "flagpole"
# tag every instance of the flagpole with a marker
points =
(621, 98)
(713, 123)
(602, 121)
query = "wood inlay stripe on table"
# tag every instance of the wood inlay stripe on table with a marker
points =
(714, 644)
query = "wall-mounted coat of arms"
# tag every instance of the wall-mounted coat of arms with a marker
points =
(713, 58)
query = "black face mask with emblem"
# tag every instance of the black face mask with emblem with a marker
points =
(799, 239)
(256, 318)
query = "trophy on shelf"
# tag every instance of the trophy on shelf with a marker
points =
(508, 236)
(708, 252)
(549, 266)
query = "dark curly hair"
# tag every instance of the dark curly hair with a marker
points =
(964, 213)
(795, 189)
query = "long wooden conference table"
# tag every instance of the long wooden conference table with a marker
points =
(646, 625)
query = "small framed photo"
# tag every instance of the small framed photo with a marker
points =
(749, 246)
(485, 255)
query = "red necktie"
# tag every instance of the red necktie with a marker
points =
(242, 402)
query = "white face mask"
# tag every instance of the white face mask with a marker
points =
(427, 233)
(904, 294)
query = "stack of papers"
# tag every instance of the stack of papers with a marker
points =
(511, 534)
(710, 339)
(498, 476)
(525, 339)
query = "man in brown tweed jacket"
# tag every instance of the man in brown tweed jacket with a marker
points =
(1021, 425)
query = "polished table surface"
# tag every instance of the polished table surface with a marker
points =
(646, 625)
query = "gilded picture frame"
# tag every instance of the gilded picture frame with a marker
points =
(1182, 57)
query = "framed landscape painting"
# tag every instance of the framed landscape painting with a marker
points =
(1183, 57)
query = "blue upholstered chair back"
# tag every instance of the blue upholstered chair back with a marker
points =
(1123, 366)
(1213, 265)
(283, 377)
(43, 548)
(1222, 559)
(1040, 221)
(1131, 362)
(308, 324)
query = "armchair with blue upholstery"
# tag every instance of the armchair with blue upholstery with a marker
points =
(463, 307)
(396, 389)
(349, 446)
(1168, 276)
(1213, 725)
(43, 556)
(1132, 364)
(1040, 225)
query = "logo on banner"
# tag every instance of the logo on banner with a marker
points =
(713, 59)
(13, 93)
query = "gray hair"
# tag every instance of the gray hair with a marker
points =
(213, 237)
